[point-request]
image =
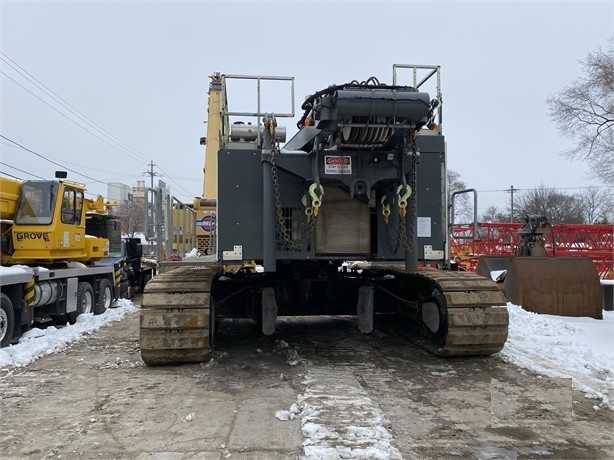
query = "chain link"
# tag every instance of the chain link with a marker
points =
(282, 230)
(409, 237)
(392, 249)
(405, 235)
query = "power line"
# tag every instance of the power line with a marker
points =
(66, 105)
(42, 156)
(52, 162)
(18, 145)
(17, 169)
(585, 187)
(171, 179)
(70, 119)
(69, 162)
(49, 92)
(9, 174)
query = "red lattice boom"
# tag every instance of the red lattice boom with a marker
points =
(499, 238)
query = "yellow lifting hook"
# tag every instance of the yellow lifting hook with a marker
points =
(316, 200)
(308, 209)
(385, 208)
(403, 198)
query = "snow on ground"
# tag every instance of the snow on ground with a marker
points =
(558, 346)
(338, 419)
(555, 346)
(36, 343)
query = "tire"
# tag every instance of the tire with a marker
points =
(146, 279)
(124, 289)
(7, 321)
(105, 297)
(85, 302)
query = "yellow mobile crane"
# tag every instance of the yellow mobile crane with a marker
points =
(57, 253)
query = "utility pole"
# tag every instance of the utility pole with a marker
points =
(511, 191)
(151, 213)
(151, 172)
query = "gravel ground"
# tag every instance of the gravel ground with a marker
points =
(375, 395)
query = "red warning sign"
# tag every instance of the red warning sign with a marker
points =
(337, 164)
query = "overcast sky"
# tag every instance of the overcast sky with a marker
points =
(139, 71)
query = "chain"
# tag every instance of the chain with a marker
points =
(393, 248)
(282, 229)
(405, 235)
(408, 242)
(386, 214)
(409, 236)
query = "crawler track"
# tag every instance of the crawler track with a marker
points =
(174, 322)
(471, 314)
(447, 313)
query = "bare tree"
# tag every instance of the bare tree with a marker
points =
(493, 214)
(455, 183)
(584, 112)
(558, 207)
(597, 205)
(463, 206)
(132, 218)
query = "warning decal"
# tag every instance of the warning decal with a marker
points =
(337, 164)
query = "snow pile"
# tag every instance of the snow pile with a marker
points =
(193, 253)
(289, 414)
(72, 264)
(36, 343)
(339, 420)
(556, 346)
(15, 270)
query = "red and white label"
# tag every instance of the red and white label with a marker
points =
(337, 164)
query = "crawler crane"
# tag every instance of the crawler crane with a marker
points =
(362, 182)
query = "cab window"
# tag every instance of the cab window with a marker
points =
(72, 204)
(36, 202)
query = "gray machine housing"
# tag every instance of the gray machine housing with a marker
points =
(360, 143)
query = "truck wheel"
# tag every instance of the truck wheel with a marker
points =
(7, 321)
(85, 302)
(85, 298)
(124, 288)
(105, 297)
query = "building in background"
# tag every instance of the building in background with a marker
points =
(119, 192)
(129, 206)
(138, 191)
